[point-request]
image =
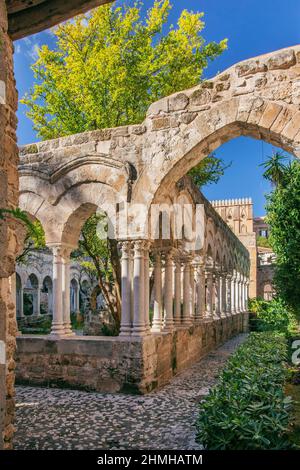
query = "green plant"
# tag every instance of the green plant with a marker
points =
(248, 408)
(272, 315)
(109, 65)
(283, 216)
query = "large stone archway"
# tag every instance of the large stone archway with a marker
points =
(258, 98)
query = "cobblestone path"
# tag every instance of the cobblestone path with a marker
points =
(50, 418)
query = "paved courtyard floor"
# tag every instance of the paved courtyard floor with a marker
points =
(51, 418)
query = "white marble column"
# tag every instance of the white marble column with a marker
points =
(200, 293)
(66, 291)
(193, 292)
(147, 286)
(177, 293)
(238, 293)
(168, 324)
(222, 295)
(125, 328)
(228, 281)
(186, 319)
(57, 328)
(217, 294)
(233, 294)
(157, 307)
(242, 309)
(209, 296)
(247, 295)
(139, 327)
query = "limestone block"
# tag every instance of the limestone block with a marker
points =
(282, 60)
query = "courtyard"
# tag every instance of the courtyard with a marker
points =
(50, 418)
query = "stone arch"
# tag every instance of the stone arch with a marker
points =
(256, 98)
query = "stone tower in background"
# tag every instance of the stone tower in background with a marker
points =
(238, 214)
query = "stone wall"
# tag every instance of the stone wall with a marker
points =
(116, 364)
(8, 237)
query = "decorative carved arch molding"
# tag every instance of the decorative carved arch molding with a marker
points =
(259, 98)
(63, 195)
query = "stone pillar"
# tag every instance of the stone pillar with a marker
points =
(157, 307)
(217, 294)
(237, 293)
(223, 295)
(66, 291)
(233, 294)
(10, 239)
(38, 300)
(177, 293)
(139, 327)
(168, 293)
(147, 285)
(125, 328)
(200, 294)
(193, 292)
(209, 296)
(58, 328)
(187, 320)
(247, 295)
(228, 281)
(242, 296)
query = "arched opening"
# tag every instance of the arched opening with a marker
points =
(74, 296)
(47, 296)
(31, 296)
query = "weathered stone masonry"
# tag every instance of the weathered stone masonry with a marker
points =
(17, 19)
(259, 98)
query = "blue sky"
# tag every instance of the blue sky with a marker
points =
(252, 27)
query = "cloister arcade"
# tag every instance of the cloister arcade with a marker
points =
(34, 286)
(200, 295)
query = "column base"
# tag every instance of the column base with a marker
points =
(156, 329)
(140, 331)
(57, 330)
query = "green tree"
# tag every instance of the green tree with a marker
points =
(275, 168)
(35, 235)
(208, 171)
(99, 257)
(108, 67)
(283, 215)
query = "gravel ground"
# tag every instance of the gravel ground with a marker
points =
(50, 418)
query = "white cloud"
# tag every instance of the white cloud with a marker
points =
(17, 48)
(33, 51)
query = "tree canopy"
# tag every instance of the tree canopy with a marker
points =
(108, 67)
(283, 215)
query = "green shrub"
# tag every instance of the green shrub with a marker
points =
(271, 315)
(248, 409)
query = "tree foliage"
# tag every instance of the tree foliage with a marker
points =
(208, 171)
(283, 215)
(100, 258)
(110, 65)
(35, 235)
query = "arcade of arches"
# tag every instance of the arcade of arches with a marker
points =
(200, 295)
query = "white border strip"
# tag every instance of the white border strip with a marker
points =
(2, 92)
(2, 353)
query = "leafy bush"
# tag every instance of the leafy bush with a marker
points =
(272, 315)
(248, 409)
